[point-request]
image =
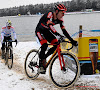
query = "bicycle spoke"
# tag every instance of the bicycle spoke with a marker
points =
(67, 76)
(32, 64)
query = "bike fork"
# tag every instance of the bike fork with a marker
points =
(61, 59)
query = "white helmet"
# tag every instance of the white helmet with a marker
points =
(8, 23)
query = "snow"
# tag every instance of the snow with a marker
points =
(16, 79)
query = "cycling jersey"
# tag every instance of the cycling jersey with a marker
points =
(5, 32)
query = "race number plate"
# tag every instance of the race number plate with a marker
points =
(93, 47)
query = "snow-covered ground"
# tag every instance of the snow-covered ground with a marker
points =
(15, 79)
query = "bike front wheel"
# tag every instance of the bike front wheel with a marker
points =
(6, 58)
(10, 58)
(31, 64)
(64, 78)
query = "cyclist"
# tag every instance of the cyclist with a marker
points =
(6, 35)
(46, 32)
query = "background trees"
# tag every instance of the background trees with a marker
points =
(74, 5)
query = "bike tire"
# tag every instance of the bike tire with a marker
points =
(61, 78)
(32, 71)
(6, 58)
(2, 54)
(10, 60)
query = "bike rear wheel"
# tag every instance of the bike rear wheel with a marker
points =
(10, 58)
(64, 78)
(31, 64)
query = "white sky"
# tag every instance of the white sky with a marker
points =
(12, 3)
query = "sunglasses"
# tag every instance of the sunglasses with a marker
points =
(8, 26)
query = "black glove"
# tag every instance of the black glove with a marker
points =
(16, 41)
(75, 43)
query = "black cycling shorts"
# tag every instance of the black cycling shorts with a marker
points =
(45, 35)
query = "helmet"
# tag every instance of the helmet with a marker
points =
(8, 23)
(60, 7)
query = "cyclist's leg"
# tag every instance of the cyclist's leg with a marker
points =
(3, 48)
(44, 36)
(51, 39)
(51, 50)
(42, 52)
(43, 43)
(44, 46)
(3, 44)
(42, 62)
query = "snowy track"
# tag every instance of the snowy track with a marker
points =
(15, 79)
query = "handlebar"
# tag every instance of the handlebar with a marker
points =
(61, 40)
(11, 41)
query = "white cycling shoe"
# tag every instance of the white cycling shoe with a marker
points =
(41, 70)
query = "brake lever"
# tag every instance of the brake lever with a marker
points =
(16, 44)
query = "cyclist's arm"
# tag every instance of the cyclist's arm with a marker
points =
(14, 33)
(64, 30)
(51, 28)
(2, 35)
(67, 34)
(69, 37)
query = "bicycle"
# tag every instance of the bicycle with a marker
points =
(8, 53)
(64, 67)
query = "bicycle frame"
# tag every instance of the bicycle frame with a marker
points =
(58, 50)
(7, 44)
(69, 70)
(61, 60)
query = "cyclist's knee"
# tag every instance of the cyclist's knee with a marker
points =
(54, 41)
(44, 41)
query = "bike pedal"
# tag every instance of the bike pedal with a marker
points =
(31, 68)
(42, 72)
(33, 63)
